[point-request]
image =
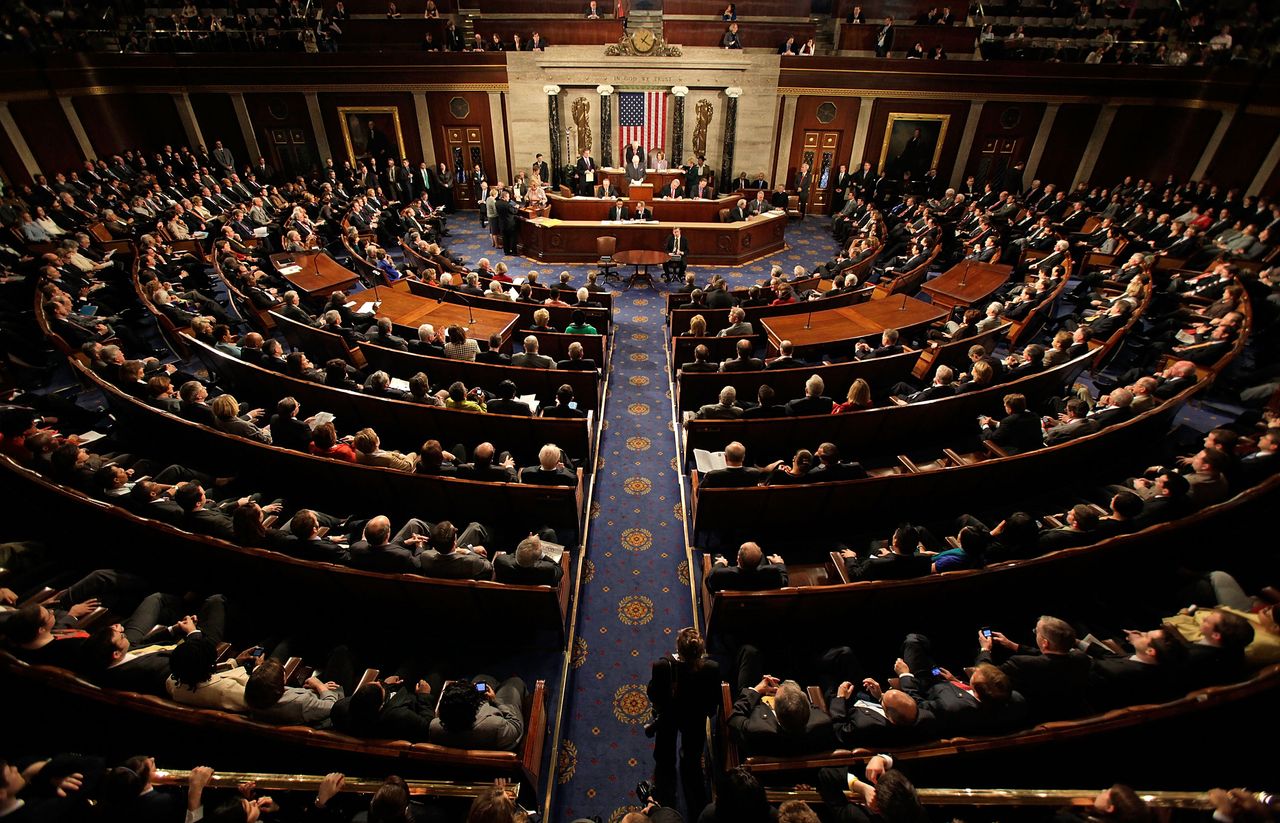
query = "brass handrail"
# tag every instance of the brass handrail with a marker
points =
(309, 783)
(1019, 797)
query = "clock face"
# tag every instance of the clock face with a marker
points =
(643, 40)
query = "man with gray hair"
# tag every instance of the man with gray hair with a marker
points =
(792, 726)
(529, 358)
(738, 324)
(813, 402)
(726, 409)
(552, 469)
(527, 566)
(428, 342)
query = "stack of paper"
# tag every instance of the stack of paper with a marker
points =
(287, 270)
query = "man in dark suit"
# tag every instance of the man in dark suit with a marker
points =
(587, 173)
(803, 182)
(987, 704)
(889, 345)
(744, 361)
(884, 38)
(786, 358)
(551, 469)
(540, 166)
(759, 205)
(735, 475)
(1053, 675)
(526, 566)
(700, 361)
(492, 355)
(483, 468)
(132, 657)
(677, 249)
(379, 551)
(1018, 431)
(387, 709)
(506, 403)
(791, 726)
(381, 334)
(642, 211)
(618, 211)
(813, 402)
(293, 311)
(877, 717)
(829, 467)
(765, 406)
(751, 574)
(509, 222)
(900, 560)
(739, 211)
(456, 556)
(287, 431)
(1146, 676)
(576, 361)
(1078, 423)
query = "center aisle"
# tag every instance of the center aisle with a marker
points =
(635, 582)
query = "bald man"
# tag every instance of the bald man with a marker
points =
(751, 574)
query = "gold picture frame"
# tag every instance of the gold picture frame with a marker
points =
(355, 136)
(898, 131)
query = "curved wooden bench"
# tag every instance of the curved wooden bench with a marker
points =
(525, 765)
(1260, 683)
(907, 280)
(340, 486)
(890, 428)
(694, 389)
(676, 299)
(561, 316)
(148, 546)
(399, 422)
(814, 609)
(955, 353)
(717, 319)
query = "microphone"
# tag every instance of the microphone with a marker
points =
(808, 321)
(903, 307)
(471, 318)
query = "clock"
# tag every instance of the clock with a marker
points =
(643, 41)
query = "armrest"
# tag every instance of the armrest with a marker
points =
(1053, 520)
(953, 541)
(908, 464)
(896, 400)
(87, 622)
(291, 668)
(995, 449)
(842, 571)
(368, 677)
(223, 649)
(816, 698)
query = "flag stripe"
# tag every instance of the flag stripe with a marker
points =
(642, 116)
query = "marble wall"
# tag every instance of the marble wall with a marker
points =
(707, 72)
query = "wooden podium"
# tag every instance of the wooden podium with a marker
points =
(640, 191)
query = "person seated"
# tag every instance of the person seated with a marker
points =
(829, 468)
(460, 398)
(791, 726)
(455, 556)
(527, 566)
(735, 474)
(1053, 675)
(988, 704)
(565, 406)
(795, 473)
(481, 714)
(900, 560)
(387, 709)
(436, 461)
(576, 361)
(701, 361)
(369, 452)
(493, 355)
(551, 469)
(529, 358)
(325, 443)
(428, 342)
(483, 468)
(765, 405)
(381, 335)
(1149, 675)
(943, 385)
(378, 551)
(195, 681)
(814, 401)
(969, 554)
(786, 358)
(876, 716)
(738, 324)
(270, 700)
(379, 385)
(726, 408)
(889, 345)
(744, 361)
(1018, 431)
(754, 572)
(505, 401)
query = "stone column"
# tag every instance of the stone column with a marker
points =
(424, 128)
(1206, 157)
(1100, 131)
(19, 142)
(865, 105)
(246, 126)
(966, 143)
(1042, 140)
(500, 149)
(730, 135)
(553, 127)
(780, 180)
(187, 114)
(77, 128)
(606, 125)
(317, 128)
(677, 126)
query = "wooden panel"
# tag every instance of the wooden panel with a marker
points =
(1070, 134)
(48, 134)
(709, 243)
(668, 211)
(554, 32)
(955, 40)
(1004, 134)
(402, 101)
(217, 118)
(959, 112)
(384, 34)
(443, 116)
(276, 111)
(746, 8)
(1243, 148)
(753, 35)
(411, 9)
(810, 112)
(1153, 142)
(115, 122)
(535, 7)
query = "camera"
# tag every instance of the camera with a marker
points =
(651, 726)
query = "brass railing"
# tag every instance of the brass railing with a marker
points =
(1020, 797)
(309, 783)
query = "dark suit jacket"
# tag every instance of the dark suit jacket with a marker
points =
(456, 565)
(737, 364)
(827, 473)
(1018, 432)
(728, 478)
(404, 716)
(581, 364)
(959, 712)
(860, 726)
(391, 558)
(891, 566)
(496, 358)
(502, 406)
(489, 474)
(1117, 681)
(145, 674)
(809, 405)
(765, 577)
(756, 729)
(535, 476)
(682, 246)
(542, 573)
(290, 433)
(1055, 686)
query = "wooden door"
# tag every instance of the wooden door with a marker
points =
(821, 150)
(997, 153)
(290, 152)
(464, 146)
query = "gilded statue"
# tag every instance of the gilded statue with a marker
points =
(582, 120)
(704, 113)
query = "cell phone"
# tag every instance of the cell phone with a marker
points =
(936, 671)
(986, 632)
(482, 687)
(258, 651)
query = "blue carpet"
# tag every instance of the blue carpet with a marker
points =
(635, 591)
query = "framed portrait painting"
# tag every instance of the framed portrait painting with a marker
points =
(913, 142)
(372, 133)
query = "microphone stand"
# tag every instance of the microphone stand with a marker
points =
(471, 318)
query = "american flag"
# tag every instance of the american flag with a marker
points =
(642, 116)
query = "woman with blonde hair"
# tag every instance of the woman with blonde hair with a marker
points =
(697, 327)
(858, 398)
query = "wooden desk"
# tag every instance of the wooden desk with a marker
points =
(849, 323)
(321, 275)
(966, 283)
(682, 211)
(412, 311)
(638, 258)
(660, 180)
(728, 244)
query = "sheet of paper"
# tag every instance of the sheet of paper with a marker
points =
(90, 437)
(399, 383)
(367, 308)
(320, 418)
(708, 461)
(531, 399)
